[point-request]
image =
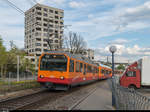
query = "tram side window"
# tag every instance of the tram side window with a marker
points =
(106, 72)
(84, 69)
(102, 71)
(81, 67)
(77, 67)
(88, 69)
(92, 69)
(71, 66)
(96, 70)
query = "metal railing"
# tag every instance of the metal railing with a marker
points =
(10, 84)
(128, 99)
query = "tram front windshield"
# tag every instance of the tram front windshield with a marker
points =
(52, 62)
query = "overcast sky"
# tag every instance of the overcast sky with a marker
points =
(124, 23)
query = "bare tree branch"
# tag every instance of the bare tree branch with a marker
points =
(74, 42)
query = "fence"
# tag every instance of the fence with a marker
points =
(128, 99)
(9, 83)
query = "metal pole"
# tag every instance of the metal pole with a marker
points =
(112, 64)
(113, 97)
(17, 68)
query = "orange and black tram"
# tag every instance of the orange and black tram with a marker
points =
(62, 70)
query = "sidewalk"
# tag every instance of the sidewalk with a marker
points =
(101, 99)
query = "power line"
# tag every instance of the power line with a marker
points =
(14, 6)
(34, 1)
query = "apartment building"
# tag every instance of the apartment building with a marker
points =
(42, 23)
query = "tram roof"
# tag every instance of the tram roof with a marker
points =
(75, 56)
(105, 66)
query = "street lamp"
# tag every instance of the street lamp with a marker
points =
(113, 49)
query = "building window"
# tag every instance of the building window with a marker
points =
(45, 45)
(62, 13)
(45, 30)
(45, 50)
(45, 9)
(45, 14)
(38, 29)
(45, 40)
(51, 26)
(45, 19)
(56, 12)
(71, 66)
(56, 36)
(38, 54)
(56, 17)
(39, 13)
(32, 10)
(61, 23)
(37, 34)
(51, 21)
(51, 11)
(45, 34)
(50, 30)
(56, 41)
(61, 18)
(38, 8)
(38, 18)
(51, 41)
(32, 60)
(38, 44)
(38, 39)
(56, 22)
(37, 49)
(38, 23)
(45, 24)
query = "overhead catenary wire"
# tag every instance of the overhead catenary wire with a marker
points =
(34, 1)
(14, 6)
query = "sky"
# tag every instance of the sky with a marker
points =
(102, 23)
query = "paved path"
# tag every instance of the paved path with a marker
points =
(101, 99)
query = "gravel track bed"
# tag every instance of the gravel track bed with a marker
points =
(67, 101)
(50, 100)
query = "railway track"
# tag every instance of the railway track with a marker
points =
(30, 101)
(36, 100)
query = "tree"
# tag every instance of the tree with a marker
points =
(2, 57)
(74, 42)
(121, 67)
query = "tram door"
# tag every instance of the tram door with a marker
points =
(84, 72)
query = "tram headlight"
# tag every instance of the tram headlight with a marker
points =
(62, 78)
(41, 76)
